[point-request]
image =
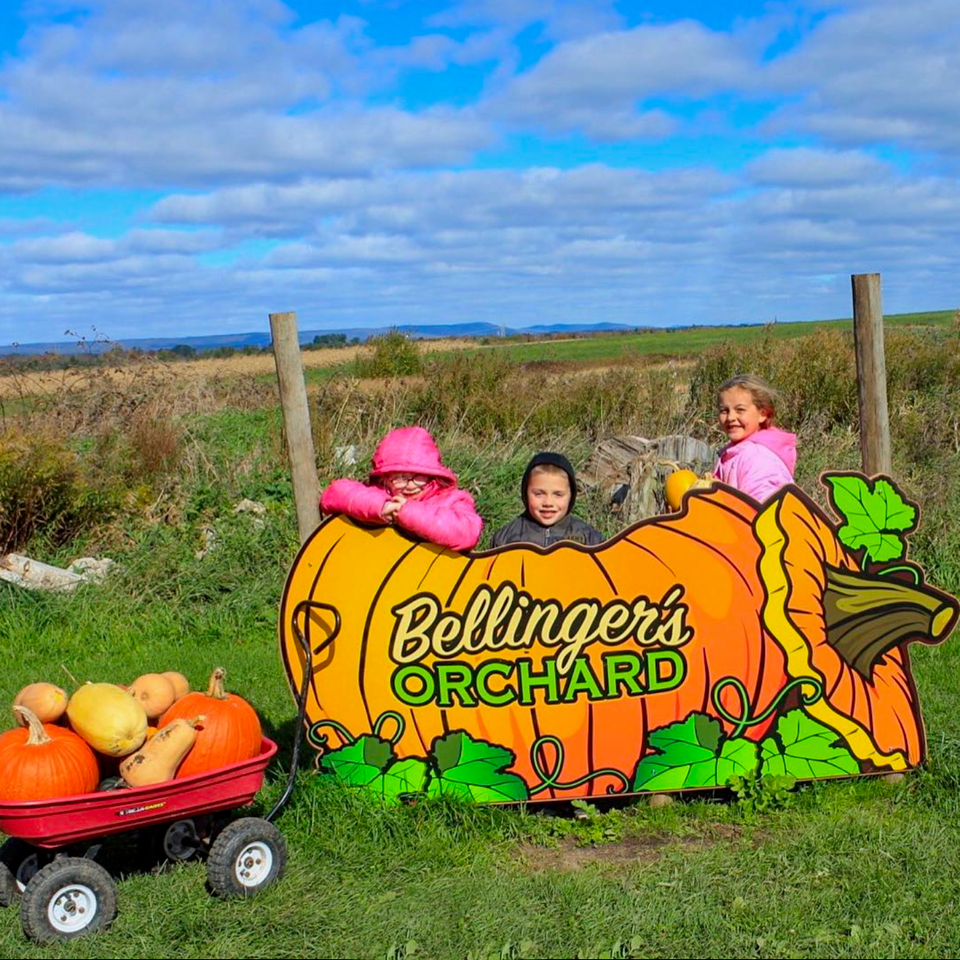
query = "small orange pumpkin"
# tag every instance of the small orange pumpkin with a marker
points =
(154, 692)
(43, 760)
(46, 700)
(231, 731)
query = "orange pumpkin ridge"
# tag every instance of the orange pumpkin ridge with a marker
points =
(230, 732)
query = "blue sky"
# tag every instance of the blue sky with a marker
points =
(187, 167)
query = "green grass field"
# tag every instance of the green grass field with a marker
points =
(686, 341)
(841, 869)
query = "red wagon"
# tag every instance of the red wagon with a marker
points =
(49, 861)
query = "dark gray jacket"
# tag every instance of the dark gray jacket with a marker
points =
(526, 530)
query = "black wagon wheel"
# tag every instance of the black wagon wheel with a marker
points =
(19, 861)
(68, 898)
(176, 842)
(247, 856)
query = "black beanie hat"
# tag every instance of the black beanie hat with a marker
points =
(553, 460)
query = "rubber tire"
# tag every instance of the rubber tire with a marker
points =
(9, 891)
(13, 853)
(233, 839)
(156, 843)
(44, 886)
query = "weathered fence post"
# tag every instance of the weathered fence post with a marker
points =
(296, 421)
(871, 374)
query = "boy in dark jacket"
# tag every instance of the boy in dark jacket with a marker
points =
(548, 491)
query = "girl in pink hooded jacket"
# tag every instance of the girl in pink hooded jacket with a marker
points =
(410, 488)
(760, 457)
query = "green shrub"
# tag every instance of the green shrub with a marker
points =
(394, 355)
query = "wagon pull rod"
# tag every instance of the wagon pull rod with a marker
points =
(303, 638)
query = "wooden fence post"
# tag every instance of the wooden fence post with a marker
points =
(296, 421)
(871, 374)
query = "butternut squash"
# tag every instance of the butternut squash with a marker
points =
(158, 759)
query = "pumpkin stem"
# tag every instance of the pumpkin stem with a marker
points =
(38, 736)
(215, 689)
(867, 615)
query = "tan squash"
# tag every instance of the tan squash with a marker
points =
(157, 761)
(181, 685)
(46, 701)
(154, 692)
(109, 719)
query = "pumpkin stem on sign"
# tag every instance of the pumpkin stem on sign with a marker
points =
(745, 719)
(38, 736)
(549, 778)
(319, 740)
(215, 689)
(867, 615)
(400, 722)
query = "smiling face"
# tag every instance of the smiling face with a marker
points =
(740, 417)
(410, 486)
(548, 495)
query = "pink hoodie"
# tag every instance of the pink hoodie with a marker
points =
(443, 513)
(760, 464)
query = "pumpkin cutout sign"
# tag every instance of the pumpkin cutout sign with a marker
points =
(726, 640)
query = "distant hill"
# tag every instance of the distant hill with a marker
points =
(262, 339)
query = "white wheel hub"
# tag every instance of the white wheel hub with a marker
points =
(72, 908)
(254, 864)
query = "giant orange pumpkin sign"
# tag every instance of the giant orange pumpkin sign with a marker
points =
(725, 640)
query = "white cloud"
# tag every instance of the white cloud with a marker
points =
(810, 167)
(201, 93)
(595, 84)
(878, 72)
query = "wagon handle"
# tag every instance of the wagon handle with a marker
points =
(309, 651)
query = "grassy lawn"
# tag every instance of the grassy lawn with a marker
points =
(847, 869)
(844, 869)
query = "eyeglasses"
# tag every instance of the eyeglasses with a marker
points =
(405, 479)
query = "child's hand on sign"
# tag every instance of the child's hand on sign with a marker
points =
(392, 507)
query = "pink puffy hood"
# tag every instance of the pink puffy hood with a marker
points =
(410, 450)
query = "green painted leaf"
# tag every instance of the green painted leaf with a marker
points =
(803, 748)
(876, 517)
(359, 763)
(694, 753)
(474, 770)
(401, 778)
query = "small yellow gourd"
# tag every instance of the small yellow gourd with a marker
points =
(158, 759)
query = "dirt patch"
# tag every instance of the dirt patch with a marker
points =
(569, 855)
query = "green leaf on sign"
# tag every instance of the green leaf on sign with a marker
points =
(876, 517)
(401, 778)
(370, 762)
(805, 749)
(694, 753)
(474, 770)
(359, 763)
